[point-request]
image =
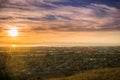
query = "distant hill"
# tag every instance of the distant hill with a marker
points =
(96, 74)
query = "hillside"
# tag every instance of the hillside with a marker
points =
(98, 74)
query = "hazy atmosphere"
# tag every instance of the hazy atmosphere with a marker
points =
(60, 22)
(59, 39)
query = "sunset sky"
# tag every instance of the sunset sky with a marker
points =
(60, 22)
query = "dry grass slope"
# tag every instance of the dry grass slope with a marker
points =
(98, 74)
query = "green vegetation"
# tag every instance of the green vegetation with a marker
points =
(97, 74)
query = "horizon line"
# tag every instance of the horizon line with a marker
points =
(59, 45)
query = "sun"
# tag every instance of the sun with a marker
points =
(13, 32)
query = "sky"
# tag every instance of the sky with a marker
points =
(60, 22)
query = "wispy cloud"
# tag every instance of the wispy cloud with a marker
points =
(46, 15)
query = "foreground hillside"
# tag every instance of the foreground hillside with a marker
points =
(98, 74)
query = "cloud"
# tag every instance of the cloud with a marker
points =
(46, 15)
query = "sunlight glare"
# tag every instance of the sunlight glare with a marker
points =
(14, 45)
(13, 32)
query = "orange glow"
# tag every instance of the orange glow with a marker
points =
(14, 45)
